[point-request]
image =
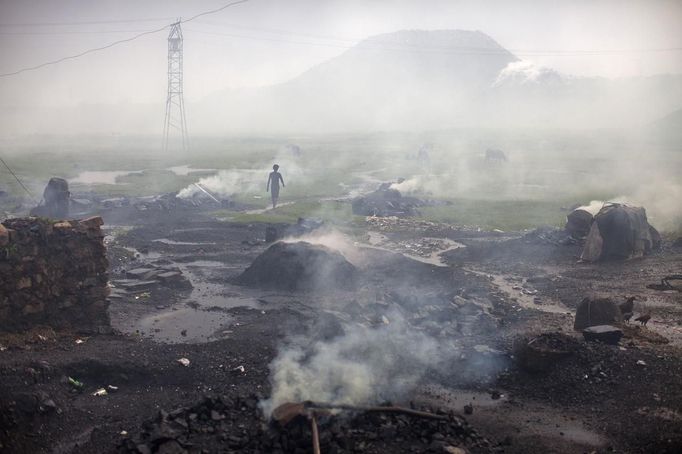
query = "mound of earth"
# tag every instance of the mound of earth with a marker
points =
(385, 202)
(300, 266)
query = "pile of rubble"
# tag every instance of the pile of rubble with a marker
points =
(53, 273)
(385, 202)
(225, 424)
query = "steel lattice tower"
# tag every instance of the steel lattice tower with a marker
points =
(175, 104)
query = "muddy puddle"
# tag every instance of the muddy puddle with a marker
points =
(183, 325)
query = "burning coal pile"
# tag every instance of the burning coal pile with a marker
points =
(217, 424)
(300, 266)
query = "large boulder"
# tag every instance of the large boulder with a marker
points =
(300, 266)
(595, 312)
(620, 232)
(56, 200)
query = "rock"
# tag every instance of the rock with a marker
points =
(468, 409)
(300, 266)
(603, 333)
(595, 312)
(170, 447)
(4, 236)
(138, 273)
(94, 222)
(454, 450)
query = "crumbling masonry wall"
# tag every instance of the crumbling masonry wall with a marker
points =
(53, 273)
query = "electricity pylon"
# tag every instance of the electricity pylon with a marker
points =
(175, 104)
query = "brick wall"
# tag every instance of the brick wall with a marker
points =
(53, 273)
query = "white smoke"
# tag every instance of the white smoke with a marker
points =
(335, 240)
(524, 72)
(364, 366)
(230, 182)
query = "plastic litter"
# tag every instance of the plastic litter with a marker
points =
(184, 362)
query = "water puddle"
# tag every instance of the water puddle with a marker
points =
(102, 176)
(185, 325)
(184, 170)
(180, 243)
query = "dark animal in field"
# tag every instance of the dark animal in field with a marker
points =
(627, 306)
(493, 154)
(643, 319)
(627, 316)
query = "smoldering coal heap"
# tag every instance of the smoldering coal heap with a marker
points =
(300, 266)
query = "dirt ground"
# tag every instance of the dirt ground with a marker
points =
(506, 287)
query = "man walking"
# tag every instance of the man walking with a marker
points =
(273, 184)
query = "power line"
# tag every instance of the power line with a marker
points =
(71, 32)
(89, 51)
(18, 180)
(217, 10)
(100, 22)
(115, 43)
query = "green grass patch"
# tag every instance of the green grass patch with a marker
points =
(493, 214)
(332, 212)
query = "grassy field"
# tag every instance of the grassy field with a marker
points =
(545, 172)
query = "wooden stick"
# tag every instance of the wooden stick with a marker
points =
(406, 411)
(316, 435)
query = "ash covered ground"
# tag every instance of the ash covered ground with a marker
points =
(419, 314)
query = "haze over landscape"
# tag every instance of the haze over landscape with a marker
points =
(340, 226)
(261, 67)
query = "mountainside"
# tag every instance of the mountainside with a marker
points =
(407, 80)
(412, 79)
(437, 79)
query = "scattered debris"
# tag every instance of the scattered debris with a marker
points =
(666, 285)
(385, 202)
(75, 383)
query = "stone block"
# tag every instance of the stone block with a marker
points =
(4, 236)
(94, 222)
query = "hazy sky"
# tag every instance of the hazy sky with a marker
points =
(268, 41)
